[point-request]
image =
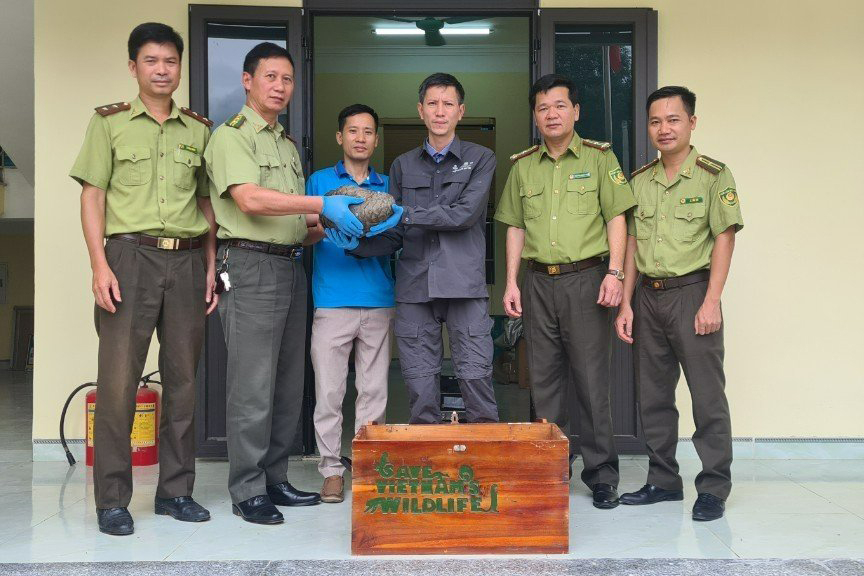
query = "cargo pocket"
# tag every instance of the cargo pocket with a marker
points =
(410, 348)
(415, 190)
(473, 349)
(645, 221)
(689, 219)
(532, 200)
(582, 196)
(186, 164)
(134, 165)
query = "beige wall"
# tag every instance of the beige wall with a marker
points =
(779, 101)
(17, 253)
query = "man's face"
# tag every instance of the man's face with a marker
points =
(358, 137)
(157, 69)
(272, 85)
(669, 125)
(441, 110)
(555, 114)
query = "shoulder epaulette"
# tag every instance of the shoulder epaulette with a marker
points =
(644, 168)
(524, 153)
(109, 109)
(236, 121)
(602, 146)
(709, 164)
(207, 122)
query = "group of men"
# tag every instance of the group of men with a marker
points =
(178, 223)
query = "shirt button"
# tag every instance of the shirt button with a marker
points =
(662, 217)
(161, 177)
(162, 200)
(556, 191)
(133, 156)
(553, 243)
(554, 217)
(581, 188)
(657, 264)
(161, 154)
(436, 195)
(437, 171)
(557, 166)
(660, 240)
(667, 192)
(284, 165)
(689, 214)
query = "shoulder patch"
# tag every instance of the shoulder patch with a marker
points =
(644, 168)
(602, 146)
(207, 122)
(236, 121)
(524, 153)
(109, 109)
(709, 164)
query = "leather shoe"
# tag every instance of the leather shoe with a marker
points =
(283, 494)
(605, 496)
(708, 507)
(258, 510)
(115, 521)
(182, 508)
(651, 494)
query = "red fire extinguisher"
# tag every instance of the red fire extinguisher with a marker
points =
(145, 428)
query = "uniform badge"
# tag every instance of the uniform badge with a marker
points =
(692, 200)
(580, 175)
(729, 197)
(188, 148)
(617, 177)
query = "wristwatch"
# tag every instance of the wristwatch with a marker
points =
(619, 274)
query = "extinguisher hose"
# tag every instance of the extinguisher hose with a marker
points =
(69, 456)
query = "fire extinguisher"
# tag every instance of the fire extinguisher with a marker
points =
(144, 440)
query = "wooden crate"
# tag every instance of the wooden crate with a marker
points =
(460, 489)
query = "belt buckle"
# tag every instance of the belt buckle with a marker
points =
(167, 243)
(658, 284)
(553, 270)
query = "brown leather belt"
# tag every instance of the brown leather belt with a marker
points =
(289, 250)
(556, 269)
(677, 281)
(161, 243)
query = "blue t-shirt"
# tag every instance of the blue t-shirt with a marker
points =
(340, 280)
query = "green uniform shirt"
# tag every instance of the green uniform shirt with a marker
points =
(675, 223)
(151, 173)
(247, 150)
(563, 205)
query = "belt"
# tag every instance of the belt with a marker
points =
(160, 242)
(556, 269)
(289, 250)
(677, 281)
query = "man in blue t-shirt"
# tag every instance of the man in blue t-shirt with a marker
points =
(354, 303)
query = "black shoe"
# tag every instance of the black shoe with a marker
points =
(708, 507)
(283, 494)
(258, 510)
(650, 494)
(570, 462)
(605, 496)
(115, 521)
(182, 508)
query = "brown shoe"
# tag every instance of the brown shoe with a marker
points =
(333, 490)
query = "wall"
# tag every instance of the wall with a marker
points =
(16, 88)
(19, 200)
(17, 253)
(765, 73)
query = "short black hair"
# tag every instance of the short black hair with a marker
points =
(441, 79)
(687, 97)
(263, 51)
(354, 110)
(549, 81)
(153, 32)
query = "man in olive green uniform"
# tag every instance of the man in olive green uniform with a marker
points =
(145, 189)
(564, 202)
(257, 189)
(681, 238)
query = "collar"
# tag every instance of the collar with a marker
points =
(575, 146)
(374, 179)
(258, 122)
(686, 170)
(454, 147)
(137, 107)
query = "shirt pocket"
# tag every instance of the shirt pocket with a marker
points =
(453, 184)
(689, 220)
(415, 190)
(269, 166)
(134, 166)
(582, 196)
(186, 165)
(532, 200)
(644, 217)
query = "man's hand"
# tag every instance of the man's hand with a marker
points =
(336, 209)
(392, 221)
(624, 323)
(611, 292)
(513, 301)
(709, 318)
(105, 286)
(341, 240)
(210, 295)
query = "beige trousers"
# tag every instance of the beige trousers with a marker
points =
(335, 331)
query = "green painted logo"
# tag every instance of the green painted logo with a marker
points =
(188, 148)
(692, 200)
(617, 177)
(580, 175)
(421, 490)
(729, 197)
